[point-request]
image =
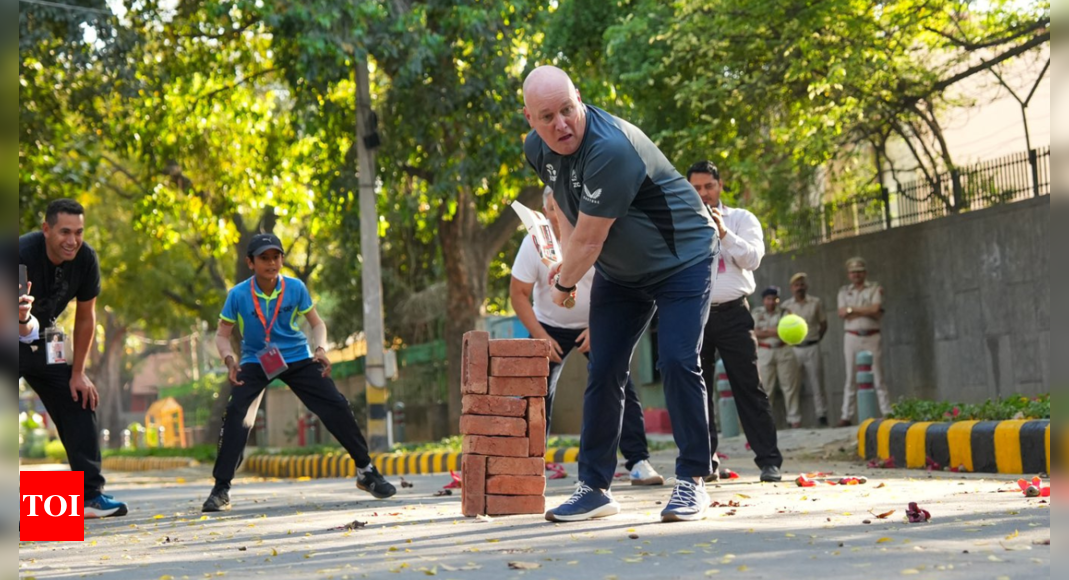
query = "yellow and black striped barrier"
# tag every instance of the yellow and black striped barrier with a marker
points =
(390, 465)
(137, 464)
(1009, 447)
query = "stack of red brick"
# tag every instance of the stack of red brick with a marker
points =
(504, 425)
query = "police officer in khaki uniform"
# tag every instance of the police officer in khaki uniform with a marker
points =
(775, 360)
(810, 363)
(861, 308)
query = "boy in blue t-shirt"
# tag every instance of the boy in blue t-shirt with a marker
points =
(265, 309)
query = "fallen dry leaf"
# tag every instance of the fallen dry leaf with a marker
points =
(524, 566)
(1041, 542)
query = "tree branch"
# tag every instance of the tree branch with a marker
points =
(180, 300)
(1039, 80)
(232, 86)
(1015, 33)
(987, 64)
(419, 173)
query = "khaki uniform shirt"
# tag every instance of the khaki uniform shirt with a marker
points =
(851, 297)
(812, 310)
(765, 320)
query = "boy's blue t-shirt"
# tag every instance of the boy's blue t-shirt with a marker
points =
(285, 335)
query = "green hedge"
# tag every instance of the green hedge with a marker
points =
(201, 453)
(1019, 407)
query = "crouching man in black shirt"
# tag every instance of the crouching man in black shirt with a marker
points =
(61, 267)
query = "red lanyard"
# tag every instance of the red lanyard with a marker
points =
(260, 313)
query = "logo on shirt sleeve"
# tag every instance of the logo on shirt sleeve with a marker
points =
(589, 196)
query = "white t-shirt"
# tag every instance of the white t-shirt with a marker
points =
(529, 269)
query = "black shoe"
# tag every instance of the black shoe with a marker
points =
(218, 501)
(713, 477)
(823, 421)
(375, 484)
(771, 474)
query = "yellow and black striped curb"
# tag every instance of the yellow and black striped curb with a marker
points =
(1009, 447)
(393, 465)
(148, 463)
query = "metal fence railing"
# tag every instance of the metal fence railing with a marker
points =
(990, 183)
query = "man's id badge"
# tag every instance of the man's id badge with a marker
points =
(55, 346)
(272, 362)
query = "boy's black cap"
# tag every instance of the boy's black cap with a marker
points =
(770, 291)
(264, 242)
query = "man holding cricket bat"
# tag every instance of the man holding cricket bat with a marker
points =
(630, 214)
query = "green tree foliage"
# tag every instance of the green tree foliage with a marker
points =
(777, 90)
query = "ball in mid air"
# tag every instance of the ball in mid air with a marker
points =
(793, 329)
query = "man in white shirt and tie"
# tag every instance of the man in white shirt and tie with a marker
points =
(730, 330)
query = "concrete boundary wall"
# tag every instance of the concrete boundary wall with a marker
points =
(967, 297)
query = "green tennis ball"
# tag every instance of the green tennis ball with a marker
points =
(793, 329)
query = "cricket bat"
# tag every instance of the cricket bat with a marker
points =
(538, 226)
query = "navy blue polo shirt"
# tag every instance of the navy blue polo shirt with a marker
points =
(286, 334)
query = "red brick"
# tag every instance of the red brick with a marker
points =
(518, 386)
(512, 466)
(476, 363)
(516, 485)
(497, 446)
(493, 426)
(519, 367)
(519, 348)
(473, 494)
(536, 426)
(503, 505)
(494, 406)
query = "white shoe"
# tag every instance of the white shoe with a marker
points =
(645, 475)
(689, 503)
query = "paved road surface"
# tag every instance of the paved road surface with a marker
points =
(283, 529)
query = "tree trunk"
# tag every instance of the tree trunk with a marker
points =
(466, 263)
(109, 379)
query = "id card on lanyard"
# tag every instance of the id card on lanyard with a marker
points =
(55, 346)
(270, 357)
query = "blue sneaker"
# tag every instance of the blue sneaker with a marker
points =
(586, 503)
(105, 506)
(689, 503)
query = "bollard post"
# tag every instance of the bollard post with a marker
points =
(126, 444)
(399, 422)
(868, 406)
(729, 415)
(105, 438)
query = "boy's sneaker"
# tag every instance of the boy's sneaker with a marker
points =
(689, 503)
(218, 501)
(645, 475)
(586, 503)
(105, 506)
(374, 483)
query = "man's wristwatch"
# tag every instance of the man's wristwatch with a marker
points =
(556, 284)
